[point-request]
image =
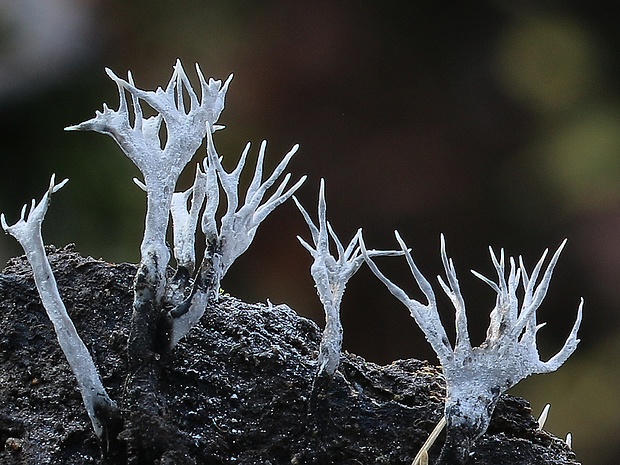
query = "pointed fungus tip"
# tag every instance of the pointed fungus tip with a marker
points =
(543, 417)
(61, 184)
(110, 73)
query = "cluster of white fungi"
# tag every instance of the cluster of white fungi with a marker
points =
(476, 377)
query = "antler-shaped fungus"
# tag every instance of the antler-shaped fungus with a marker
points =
(27, 231)
(477, 376)
(331, 276)
(237, 226)
(161, 162)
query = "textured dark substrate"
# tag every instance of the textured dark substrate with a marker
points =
(237, 389)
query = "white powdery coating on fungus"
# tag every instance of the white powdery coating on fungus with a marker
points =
(477, 376)
(185, 220)
(160, 161)
(233, 234)
(27, 231)
(331, 276)
(239, 225)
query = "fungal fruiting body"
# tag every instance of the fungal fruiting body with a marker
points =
(231, 235)
(27, 231)
(331, 276)
(476, 377)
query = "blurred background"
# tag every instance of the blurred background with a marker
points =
(496, 123)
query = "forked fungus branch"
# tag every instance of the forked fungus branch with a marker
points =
(27, 231)
(477, 376)
(331, 276)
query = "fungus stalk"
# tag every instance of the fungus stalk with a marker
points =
(185, 222)
(27, 231)
(331, 276)
(476, 377)
(161, 161)
(236, 230)
(184, 209)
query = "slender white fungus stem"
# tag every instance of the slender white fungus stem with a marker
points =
(185, 221)
(331, 276)
(27, 231)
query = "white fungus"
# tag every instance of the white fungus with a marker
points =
(27, 231)
(477, 376)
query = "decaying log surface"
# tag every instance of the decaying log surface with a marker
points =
(239, 389)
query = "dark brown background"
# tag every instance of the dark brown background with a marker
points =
(496, 123)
